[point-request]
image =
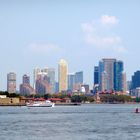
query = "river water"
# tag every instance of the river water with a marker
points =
(85, 122)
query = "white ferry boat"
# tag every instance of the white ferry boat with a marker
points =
(46, 103)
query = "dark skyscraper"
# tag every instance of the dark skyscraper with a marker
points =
(96, 75)
(136, 80)
(118, 76)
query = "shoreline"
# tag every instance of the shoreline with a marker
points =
(72, 104)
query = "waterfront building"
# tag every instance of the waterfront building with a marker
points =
(136, 80)
(25, 87)
(119, 76)
(111, 75)
(35, 73)
(79, 77)
(78, 80)
(96, 75)
(42, 84)
(124, 83)
(62, 75)
(51, 75)
(56, 87)
(11, 82)
(26, 79)
(104, 81)
(129, 85)
(71, 81)
(86, 87)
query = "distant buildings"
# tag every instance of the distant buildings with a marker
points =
(35, 73)
(42, 85)
(78, 80)
(25, 87)
(109, 75)
(62, 75)
(85, 87)
(135, 84)
(50, 73)
(96, 75)
(135, 80)
(26, 79)
(11, 82)
(71, 81)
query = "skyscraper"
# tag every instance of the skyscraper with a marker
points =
(96, 75)
(62, 75)
(79, 77)
(118, 76)
(26, 79)
(111, 75)
(11, 82)
(51, 75)
(36, 71)
(42, 83)
(71, 81)
(136, 80)
(78, 80)
(25, 88)
(124, 83)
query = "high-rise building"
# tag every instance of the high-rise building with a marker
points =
(51, 75)
(11, 82)
(124, 83)
(71, 81)
(111, 76)
(26, 79)
(79, 77)
(78, 80)
(36, 72)
(62, 75)
(104, 81)
(56, 87)
(118, 76)
(136, 80)
(96, 75)
(25, 87)
(43, 83)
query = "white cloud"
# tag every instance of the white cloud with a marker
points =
(43, 48)
(87, 27)
(111, 20)
(97, 35)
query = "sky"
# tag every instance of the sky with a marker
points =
(38, 33)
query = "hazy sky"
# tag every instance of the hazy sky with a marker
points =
(37, 33)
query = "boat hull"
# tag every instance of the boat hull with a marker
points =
(41, 104)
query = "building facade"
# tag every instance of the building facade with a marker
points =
(62, 75)
(25, 87)
(42, 84)
(11, 82)
(111, 75)
(35, 73)
(96, 75)
(71, 81)
(51, 75)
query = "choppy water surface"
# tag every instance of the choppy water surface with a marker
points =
(86, 122)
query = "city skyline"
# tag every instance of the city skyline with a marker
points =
(40, 33)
